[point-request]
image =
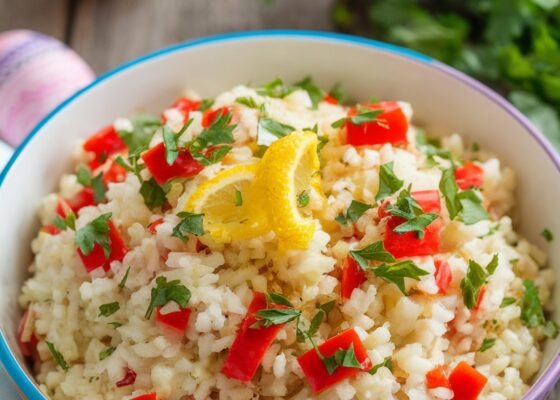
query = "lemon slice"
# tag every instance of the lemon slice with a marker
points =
(227, 204)
(289, 168)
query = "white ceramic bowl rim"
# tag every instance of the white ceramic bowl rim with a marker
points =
(546, 381)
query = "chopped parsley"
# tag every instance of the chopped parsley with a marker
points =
(269, 130)
(170, 144)
(507, 301)
(303, 199)
(108, 309)
(84, 177)
(144, 127)
(475, 277)
(547, 235)
(165, 291)
(467, 204)
(58, 357)
(275, 316)
(122, 283)
(341, 358)
(219, 132)
(247, 101)
(153, 194)
(532, 314)
(487, 343)
(387, 363)
(213, 156)
(416, 220)
(68, 222)
(190, 223)
(277, 298)
(205, 104)
(353, 213)
(364, 115)
(318, 318)
(95, 232)
(316, 94)
(132, 165)
(432, 148)
(238, 198)
(550, 329)
(388, 182)
(395, 273)
(276, 89)
(106, 353)
(115, 324)
(373, 252)
(337, 92)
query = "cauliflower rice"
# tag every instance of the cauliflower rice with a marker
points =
(82, 352)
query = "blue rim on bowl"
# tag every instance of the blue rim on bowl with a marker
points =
(545, 382)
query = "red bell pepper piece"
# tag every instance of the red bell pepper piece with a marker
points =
(27, 341)
(128, 379)
(436, 378)
(184, 166)
(80, 200)
(352, 277)
(250, 344)
(97, 259)
(147, 396)
(469, 175)
(390, 126)
(408, 244)
(466, 382)
(329, 99)
(153, 225)
(210, 115)
(314, 369)
(102, 144)
(442, 275)
(114, 173)
(177, 320)
(51, 229)
(185, 106)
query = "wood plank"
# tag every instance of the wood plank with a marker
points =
(46, 16)
(107, 33)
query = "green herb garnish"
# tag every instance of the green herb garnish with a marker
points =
(547, 235)
(507, 301)
(165, 291)
(353, 213)
(303, 199)
(373, 252)
(96, 231)
(108, 309)
(316, 94)
(387, 363)
(388, 182)
(106, 353)
(276, 316)
(395, 273)
(247, 101)
(190, 223)
(58, 357)
(486, 344)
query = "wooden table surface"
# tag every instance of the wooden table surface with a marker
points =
(108, 32)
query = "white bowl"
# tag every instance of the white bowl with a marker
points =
(444, 101)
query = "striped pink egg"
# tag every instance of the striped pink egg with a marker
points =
(37, 72)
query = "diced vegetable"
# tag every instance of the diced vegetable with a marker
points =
(147, 396)
(314, 369)
(185, 106)
(26, 337)
(102, 144)
(210, 115)
(389, 127)
(329, 99)
(153, 225)
(352, 277)
(128, 379)
(184, 166)
(436, 378)
(442, 275)
(97, 259)
(114, 173)
(466, 382)
(50, 229)
(83, 198)
(469, 175)
(250, 344)
(177, 320)
(408, 244)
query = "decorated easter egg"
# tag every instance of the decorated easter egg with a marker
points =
(37, 73)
